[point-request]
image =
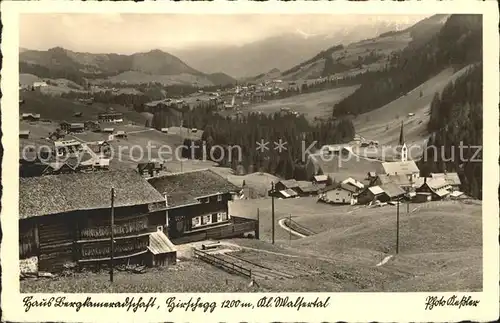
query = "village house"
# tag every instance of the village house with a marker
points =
(24, 134)
(308, 188)
(108, 130)
(30, 116)
(403, 181)
(371, 194)
(320, 179)
(110, 117)
(451, 179)
(286, 184)
(150, 168)
(338, 194)
(336, 166)
(121, 134)
(437, 187)
(197, 205)
(76, 127)
(66, 218)
(393, 191)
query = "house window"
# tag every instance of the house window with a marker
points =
(219, 198)
(221, 216)
(207, 219)
(196, 222)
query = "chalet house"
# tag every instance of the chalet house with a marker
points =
(320, 179)
(353, 183)
(66, 218)
(30, 116)
(437, 187)
(24, 134)
(149, 168)
(290, 184)
(338, 194)
(121, 134)
(76, 127)
(110, 117)
(407, 168)
(108, 130)
(393, 191)
(371, 194)
(451, 179)
(197, 205)
(308, 188)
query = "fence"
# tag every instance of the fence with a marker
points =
(228, 266)
(238, 227)
(298, 227)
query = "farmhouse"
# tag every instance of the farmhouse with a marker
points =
(149, 168)
(76, 127)
(371, 194)
(338, 194)
(110, 117)
(320, 179)
(402, 181)
(30, 116)
(451, 179)
(308, 188)
(66, 218)
(437, 187)
(197, 204)
(121, 134)
(393, 191)
(24, 134)
(286, 184)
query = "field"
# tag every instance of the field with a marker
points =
(317, 104)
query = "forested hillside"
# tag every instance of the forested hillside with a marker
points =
(458, 44)
(456, 124)
(246, 131)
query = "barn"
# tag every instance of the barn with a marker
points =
(65, 219)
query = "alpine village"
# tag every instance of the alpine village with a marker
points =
(313, 203)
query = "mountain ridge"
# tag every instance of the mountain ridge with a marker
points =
(79, 66)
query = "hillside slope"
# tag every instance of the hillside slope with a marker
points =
(371, 54)
(152, 66)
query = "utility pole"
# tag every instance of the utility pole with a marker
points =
(289, 229)
(397, 227)
(272, 208)
(111, 264)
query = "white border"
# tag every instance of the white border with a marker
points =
(345, 306)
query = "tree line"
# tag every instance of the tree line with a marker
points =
(222, 134)
(456, 124)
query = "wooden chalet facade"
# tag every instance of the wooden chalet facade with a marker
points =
(197, 207)
(66, 218)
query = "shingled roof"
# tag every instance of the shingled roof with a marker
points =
(185, 188)
(52, 194)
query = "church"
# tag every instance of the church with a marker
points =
(405, 167)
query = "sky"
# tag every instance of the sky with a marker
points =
(130, 33)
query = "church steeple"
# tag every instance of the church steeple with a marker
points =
(401, 135)
(402, 144)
